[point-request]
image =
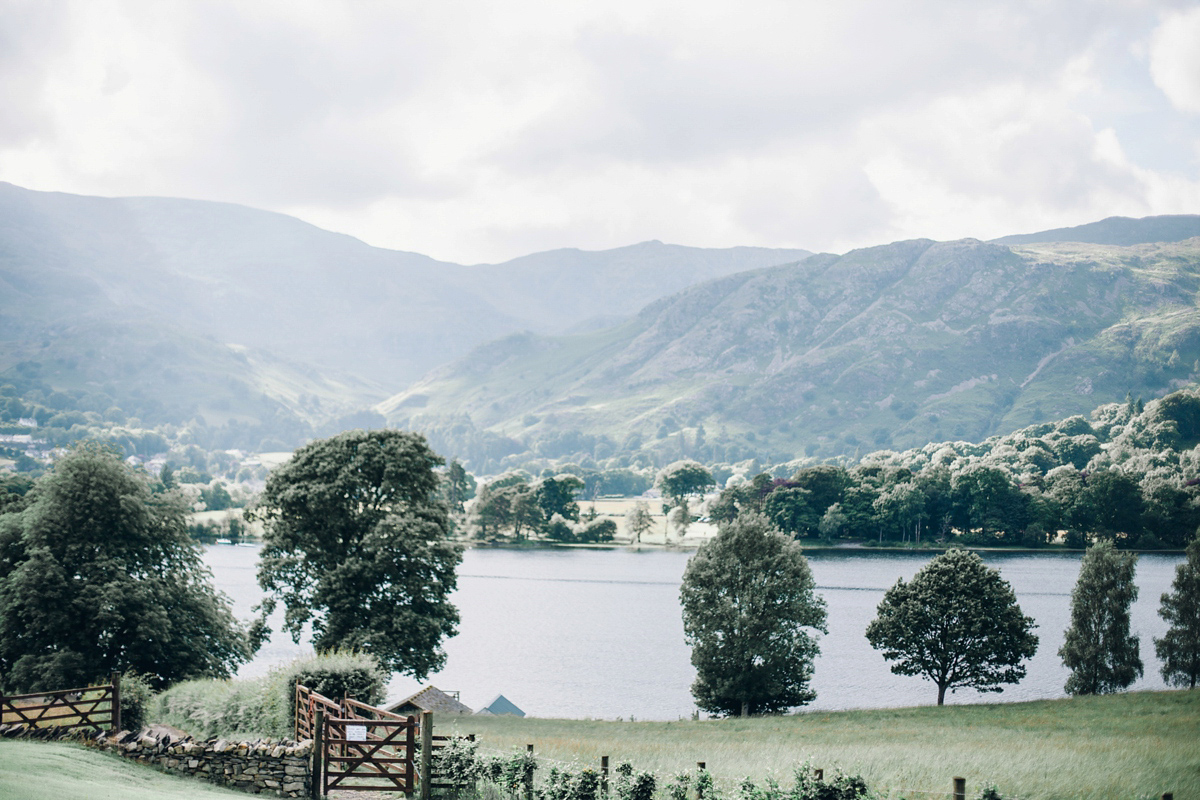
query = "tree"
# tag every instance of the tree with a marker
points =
(556, 495)
(1179, 650)
(356, 542)
(638, 521)
(1098, 648)
(683, 479)
(217, 498)
(791, 509)
(458, 486)
(679, 481)
(956, 623)
(749, 609)
(99, 575)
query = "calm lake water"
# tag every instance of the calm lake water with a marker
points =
(598, 633)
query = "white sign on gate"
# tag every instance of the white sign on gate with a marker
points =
(356, 733)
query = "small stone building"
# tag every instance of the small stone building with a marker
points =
(432, 699)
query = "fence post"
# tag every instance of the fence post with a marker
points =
(116, 702)
(529, 774)
(426, 754)
(819, 774)
(317, 784)
(960, 789)
(604, 776)
(699, 786)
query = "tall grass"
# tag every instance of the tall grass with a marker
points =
(264, 707)
(1118, 746)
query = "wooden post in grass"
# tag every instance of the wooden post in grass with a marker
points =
(426, 754)
(819, 774)
(960, 789)
(529, 775)
(604, 776)
(116, 702)
(699, 791)
(317, 778)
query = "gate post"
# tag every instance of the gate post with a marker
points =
(426, 754)
(116, 702)
(317, 782)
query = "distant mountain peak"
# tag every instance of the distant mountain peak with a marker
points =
(1119, 231)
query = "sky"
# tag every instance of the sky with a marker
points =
(477, 131)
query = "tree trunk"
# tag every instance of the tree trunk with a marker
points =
(745, 709)
(941, 694)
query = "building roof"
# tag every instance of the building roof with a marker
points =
(501, 705)
(432, 699)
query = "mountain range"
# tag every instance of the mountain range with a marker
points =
(883, 347)
(229, 312)
(178, 311)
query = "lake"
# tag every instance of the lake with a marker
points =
(598, 633)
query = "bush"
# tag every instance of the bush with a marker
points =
(601, 530)
(136, 699)
(265, 706)
(337, 674)
(251, 708)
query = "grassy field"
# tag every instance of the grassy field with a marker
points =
(58, 771)
(1120, 746)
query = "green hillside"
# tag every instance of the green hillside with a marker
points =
(890, 346)
(261, 327)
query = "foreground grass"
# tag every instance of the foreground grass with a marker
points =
(61, 771)
(1119, 746)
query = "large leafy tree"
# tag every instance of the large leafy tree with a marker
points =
(1179, 650)
(556, 495)
(99, 574)
(683, 479)
(749, 613)
(1098, 648)
(956, 623)
(679, 481)
(357, 545)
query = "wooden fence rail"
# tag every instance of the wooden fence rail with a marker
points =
(97, 707)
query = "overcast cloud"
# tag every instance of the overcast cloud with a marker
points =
(478, 131)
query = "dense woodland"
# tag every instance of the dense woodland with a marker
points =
(1129, 473)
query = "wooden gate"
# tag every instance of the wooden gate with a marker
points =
(366, 754)
(97, 707)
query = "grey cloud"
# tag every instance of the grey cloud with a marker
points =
(30, 38)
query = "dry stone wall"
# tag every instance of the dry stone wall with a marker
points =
(280, 768)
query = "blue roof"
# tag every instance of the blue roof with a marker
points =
(502, 705)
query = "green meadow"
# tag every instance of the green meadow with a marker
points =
(32, 770)
(1139, 744)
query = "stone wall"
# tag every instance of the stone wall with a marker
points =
(262, 767)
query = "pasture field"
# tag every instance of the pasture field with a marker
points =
(1120, 746)
(60, 771)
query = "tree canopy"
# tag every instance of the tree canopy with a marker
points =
(356, 544)
(682, 479)
(1179, 649)
(1098, 649)
(98, 575)
(750, 610)
(956, 623)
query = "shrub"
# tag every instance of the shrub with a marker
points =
(337, 674)
(601, 530)
(136, 698)
(247, 708)
(265, 706)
